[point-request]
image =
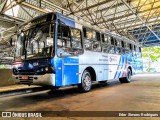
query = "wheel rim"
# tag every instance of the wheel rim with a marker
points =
(87, 82)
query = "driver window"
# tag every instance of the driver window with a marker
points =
(20, 44)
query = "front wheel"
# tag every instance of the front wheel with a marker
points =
(86, 82)
(126, 79)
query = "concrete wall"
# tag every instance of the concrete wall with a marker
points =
(6, 77)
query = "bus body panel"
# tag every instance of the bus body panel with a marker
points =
(71, 70)
(96, 60)
(58, 71)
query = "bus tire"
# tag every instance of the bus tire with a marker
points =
(86, 82)
(126, 79)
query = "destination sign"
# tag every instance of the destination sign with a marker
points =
(41, 19)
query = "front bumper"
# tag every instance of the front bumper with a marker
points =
(47, 79)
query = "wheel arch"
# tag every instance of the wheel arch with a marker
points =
(92, 72)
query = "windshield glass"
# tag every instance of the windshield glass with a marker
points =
(36, 42)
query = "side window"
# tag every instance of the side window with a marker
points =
(130, 46)
(76, 38)
(69, 41)
(106, 44)
(134, 50)
(102, 37)
(111, 49)
(97, 43)
(118, 48)
(122, 42)
(119, 43)
(140, 49)
(126, 45)
(115, 41)
(112, 41)
(64, 36)
(109, 39)
(88, 38)
(106, 39)
(91, 40)
(123, 47)
(138, 52)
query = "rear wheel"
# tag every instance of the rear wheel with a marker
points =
(86, 82)
(126, 79)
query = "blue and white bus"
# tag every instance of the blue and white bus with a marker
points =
(54, 50)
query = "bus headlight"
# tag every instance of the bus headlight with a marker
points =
(46, 69)
(15, 71)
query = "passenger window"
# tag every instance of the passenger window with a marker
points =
(134, 48)
(88, 35)
(119, 43)
(76, 38)
(69, 41)
(106, 46)
(102, 37)
(111, 49)
(130, 46)
(91, 40)
(115, 41)
(106, 39)
(112, 41)
(127, 46)
(122, 42)
(97, 43)
(140, 49)
(109, 40)
(138, 52)
(118, 50)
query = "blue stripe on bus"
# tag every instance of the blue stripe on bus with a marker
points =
(118, 69)
(123, 65)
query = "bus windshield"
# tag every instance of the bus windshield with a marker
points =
(36, 42)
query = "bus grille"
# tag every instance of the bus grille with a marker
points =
(26, 72)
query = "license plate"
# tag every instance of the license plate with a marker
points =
(25, 77)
